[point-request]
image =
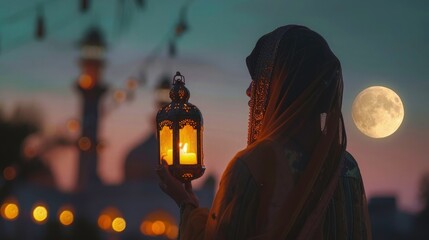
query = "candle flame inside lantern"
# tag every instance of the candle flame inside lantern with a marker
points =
(183, 149)
(185, 157)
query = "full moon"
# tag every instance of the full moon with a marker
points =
(377, 111)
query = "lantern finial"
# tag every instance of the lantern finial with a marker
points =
(179, 93)
(178, 77)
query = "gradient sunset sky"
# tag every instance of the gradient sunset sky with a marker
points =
(378, 43)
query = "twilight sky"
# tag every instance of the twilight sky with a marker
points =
(378, 43)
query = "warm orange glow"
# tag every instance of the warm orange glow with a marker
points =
(84, 143)
(159, 223)
(187, 145)
(40, 214)
(119, 96)
(29, 151)
(101, 146)
(132, 84)
(188, 136)
(86, 82)
(104, 221)
(31, 145)
(158, 227)
(146, 228)
(185, 157)
(73, 125)
(172, 232)
(183, 148)
(9, 211)
(66, 217)
(9, 173)
(119, 224)
(110, 219)
(166, 144)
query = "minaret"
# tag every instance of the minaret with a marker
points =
(91, 88)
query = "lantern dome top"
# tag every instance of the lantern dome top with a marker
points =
(179, 93)
(179, 107)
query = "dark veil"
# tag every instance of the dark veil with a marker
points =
(296, 78)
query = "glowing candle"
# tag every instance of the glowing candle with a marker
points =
(187, 158)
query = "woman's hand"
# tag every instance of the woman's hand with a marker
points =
(180, 192)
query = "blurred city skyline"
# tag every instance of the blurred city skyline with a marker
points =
(379, 43)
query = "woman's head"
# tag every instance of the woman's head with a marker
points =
(295, 77)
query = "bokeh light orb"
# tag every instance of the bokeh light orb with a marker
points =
(9, 211)
(119, 96)
(111, 219)
(146, 228)
(132, 84)
(84, 143)
(73, 125)
(159, 224)
(172, 232)
(66, 217)
(119, 224)
(40, 214)
(104, 222)
(158, 227)
(9, 173)
(86, 82)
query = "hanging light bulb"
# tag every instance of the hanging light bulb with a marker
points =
(84, 5)
(140, 3)
(40, 25)
(172, 50)
(182, 25)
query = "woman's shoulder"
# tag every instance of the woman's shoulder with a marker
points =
(350, 167)
(268, 147)
(263, 158)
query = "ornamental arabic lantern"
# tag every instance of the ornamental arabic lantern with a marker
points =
(180, 134)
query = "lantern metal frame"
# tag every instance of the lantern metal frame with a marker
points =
(177, 114)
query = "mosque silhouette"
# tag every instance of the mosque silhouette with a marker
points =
(135, 209)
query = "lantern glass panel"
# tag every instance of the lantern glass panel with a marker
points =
(166, 144)
(188, 145)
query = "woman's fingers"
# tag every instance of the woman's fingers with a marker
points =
(191, 194)
(178, 191)
(162, 171)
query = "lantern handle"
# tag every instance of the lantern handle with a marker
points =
(178, 77)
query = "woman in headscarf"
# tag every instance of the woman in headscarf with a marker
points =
(295, 179)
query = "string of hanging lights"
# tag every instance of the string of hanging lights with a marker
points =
(127, 91)
(124, 18)
(40, 24)
(40, 10)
